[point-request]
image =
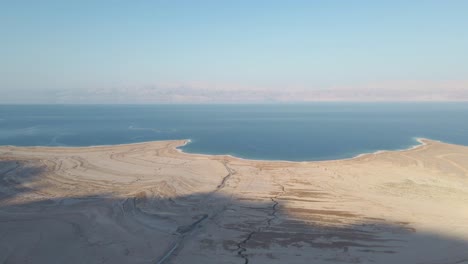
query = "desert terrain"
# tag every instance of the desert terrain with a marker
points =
(151, 203)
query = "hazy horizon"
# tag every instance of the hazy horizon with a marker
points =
(232, 52)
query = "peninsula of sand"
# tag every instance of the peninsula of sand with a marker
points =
(150, 203)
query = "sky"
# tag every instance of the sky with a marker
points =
(232, 51)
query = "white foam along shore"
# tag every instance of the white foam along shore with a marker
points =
(421, 142)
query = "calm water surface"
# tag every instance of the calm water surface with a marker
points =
(317, 131)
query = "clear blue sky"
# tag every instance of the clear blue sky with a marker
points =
(78, 48)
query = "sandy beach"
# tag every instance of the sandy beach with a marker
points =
(151, 203)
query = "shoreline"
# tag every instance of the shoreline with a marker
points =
(420, 140)
(420, 143)
(191, 207)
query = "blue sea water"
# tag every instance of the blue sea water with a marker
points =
(296, 132)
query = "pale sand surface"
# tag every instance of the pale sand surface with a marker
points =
(149, 203)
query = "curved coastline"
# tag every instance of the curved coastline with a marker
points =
(420, 140)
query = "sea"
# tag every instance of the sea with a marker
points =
(293, 132)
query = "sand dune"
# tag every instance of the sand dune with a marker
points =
(150, 203)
